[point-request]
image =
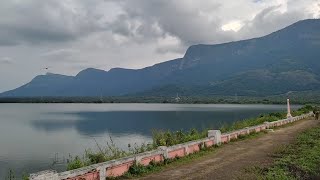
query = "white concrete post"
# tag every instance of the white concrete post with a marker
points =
(138, 159)
(186, 150)
(288, 109)
(165, 151)
(102, 172)
(248, 130)
(216, 134)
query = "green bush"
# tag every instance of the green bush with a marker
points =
(137, 169)
(75, 163)
(305, 109)
(168, 138)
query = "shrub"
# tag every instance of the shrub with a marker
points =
(75, 163)
(167, 138)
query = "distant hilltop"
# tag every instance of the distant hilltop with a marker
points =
(283, 61)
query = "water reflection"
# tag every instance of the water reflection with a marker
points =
(140, 122)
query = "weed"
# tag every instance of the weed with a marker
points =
(167, 138)
(75, 163)
(11, 176)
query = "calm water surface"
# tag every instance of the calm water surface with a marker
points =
(33, 136)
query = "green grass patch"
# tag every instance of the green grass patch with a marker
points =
(299, 160)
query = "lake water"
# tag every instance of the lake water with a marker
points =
(33, 136)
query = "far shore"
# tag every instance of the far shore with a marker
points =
(161, 100)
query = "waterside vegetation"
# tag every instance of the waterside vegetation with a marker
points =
(305, 97)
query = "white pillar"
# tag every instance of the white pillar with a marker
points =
(216, 134)
(186, 150)
(102, 172)
(164, 150)
(288, 109)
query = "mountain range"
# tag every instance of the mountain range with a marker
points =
(283, 61)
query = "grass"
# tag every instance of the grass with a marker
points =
(299, 160)
(105, 153)
(11, 176)
(168, 138)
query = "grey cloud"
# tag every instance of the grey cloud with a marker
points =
(66, 55)
(176, 19)
(59, 52)
(172, 48)
(137, 28)
(7, 42)
(37, 21)
(6, 60)
(268, 21)
(144, 21)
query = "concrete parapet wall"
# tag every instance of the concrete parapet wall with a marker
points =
(120, 166)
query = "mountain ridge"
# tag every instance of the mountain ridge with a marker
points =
(285, 60)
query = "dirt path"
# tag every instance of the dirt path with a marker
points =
(230, 161)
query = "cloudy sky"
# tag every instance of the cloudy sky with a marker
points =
(70, 35)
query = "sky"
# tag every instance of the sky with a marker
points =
(68, 36)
